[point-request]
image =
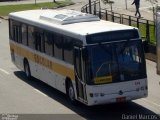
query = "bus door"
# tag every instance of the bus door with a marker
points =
(79, 75)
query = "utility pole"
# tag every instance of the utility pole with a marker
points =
(126, 4)
(90, 10)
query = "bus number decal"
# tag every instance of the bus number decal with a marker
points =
(41, 60)
(106, 79)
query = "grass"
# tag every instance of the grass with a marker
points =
(5, 10)
(142, 29)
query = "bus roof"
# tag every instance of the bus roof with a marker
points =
(83, 25)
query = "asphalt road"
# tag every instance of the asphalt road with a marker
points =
(39, 101)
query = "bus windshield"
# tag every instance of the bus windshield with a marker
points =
(116, 62)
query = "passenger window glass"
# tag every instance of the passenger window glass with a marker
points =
(24, 34)
(58, 45)
(31, 35)
(49, 42)
(68, 49)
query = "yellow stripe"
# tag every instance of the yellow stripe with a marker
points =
(55, 67)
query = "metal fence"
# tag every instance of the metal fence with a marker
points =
(92, 7)
(146, 27)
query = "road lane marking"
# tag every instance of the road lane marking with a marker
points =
(4, 71)
(40, 92)
(151, 102)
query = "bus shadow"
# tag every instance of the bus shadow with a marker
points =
(101, 112)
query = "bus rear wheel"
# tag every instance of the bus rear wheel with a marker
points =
(27, 69)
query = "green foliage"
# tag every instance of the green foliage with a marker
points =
(142, 29)
(5, 10)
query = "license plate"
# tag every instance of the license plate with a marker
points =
(121, 99)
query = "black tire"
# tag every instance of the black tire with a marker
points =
(71, 93)
(27, 70)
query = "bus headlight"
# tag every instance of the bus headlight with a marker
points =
(102, 94)
(142, 88)
(91, 94)
(96, 94)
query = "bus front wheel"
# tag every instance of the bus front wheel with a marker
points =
(71, 93)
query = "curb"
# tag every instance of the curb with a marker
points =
(4, 17)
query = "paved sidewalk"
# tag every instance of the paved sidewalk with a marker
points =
(146, 14)
(83, 2)
(24, 2)
(77, 6)
(119, 6)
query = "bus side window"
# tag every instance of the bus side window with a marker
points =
(68, 49)
(31, 40)
(24, 34)
(11, 29)
(39, 41)
(58, 46)
(42, 42)
(15, 31)
(49, 43)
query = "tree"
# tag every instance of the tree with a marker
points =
(108, 2)
(54, 1)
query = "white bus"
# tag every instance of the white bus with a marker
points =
(90, 60)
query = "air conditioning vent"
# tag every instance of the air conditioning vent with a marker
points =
(67, 16)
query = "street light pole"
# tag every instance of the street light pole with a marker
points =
(90, 11)
(126, 4)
